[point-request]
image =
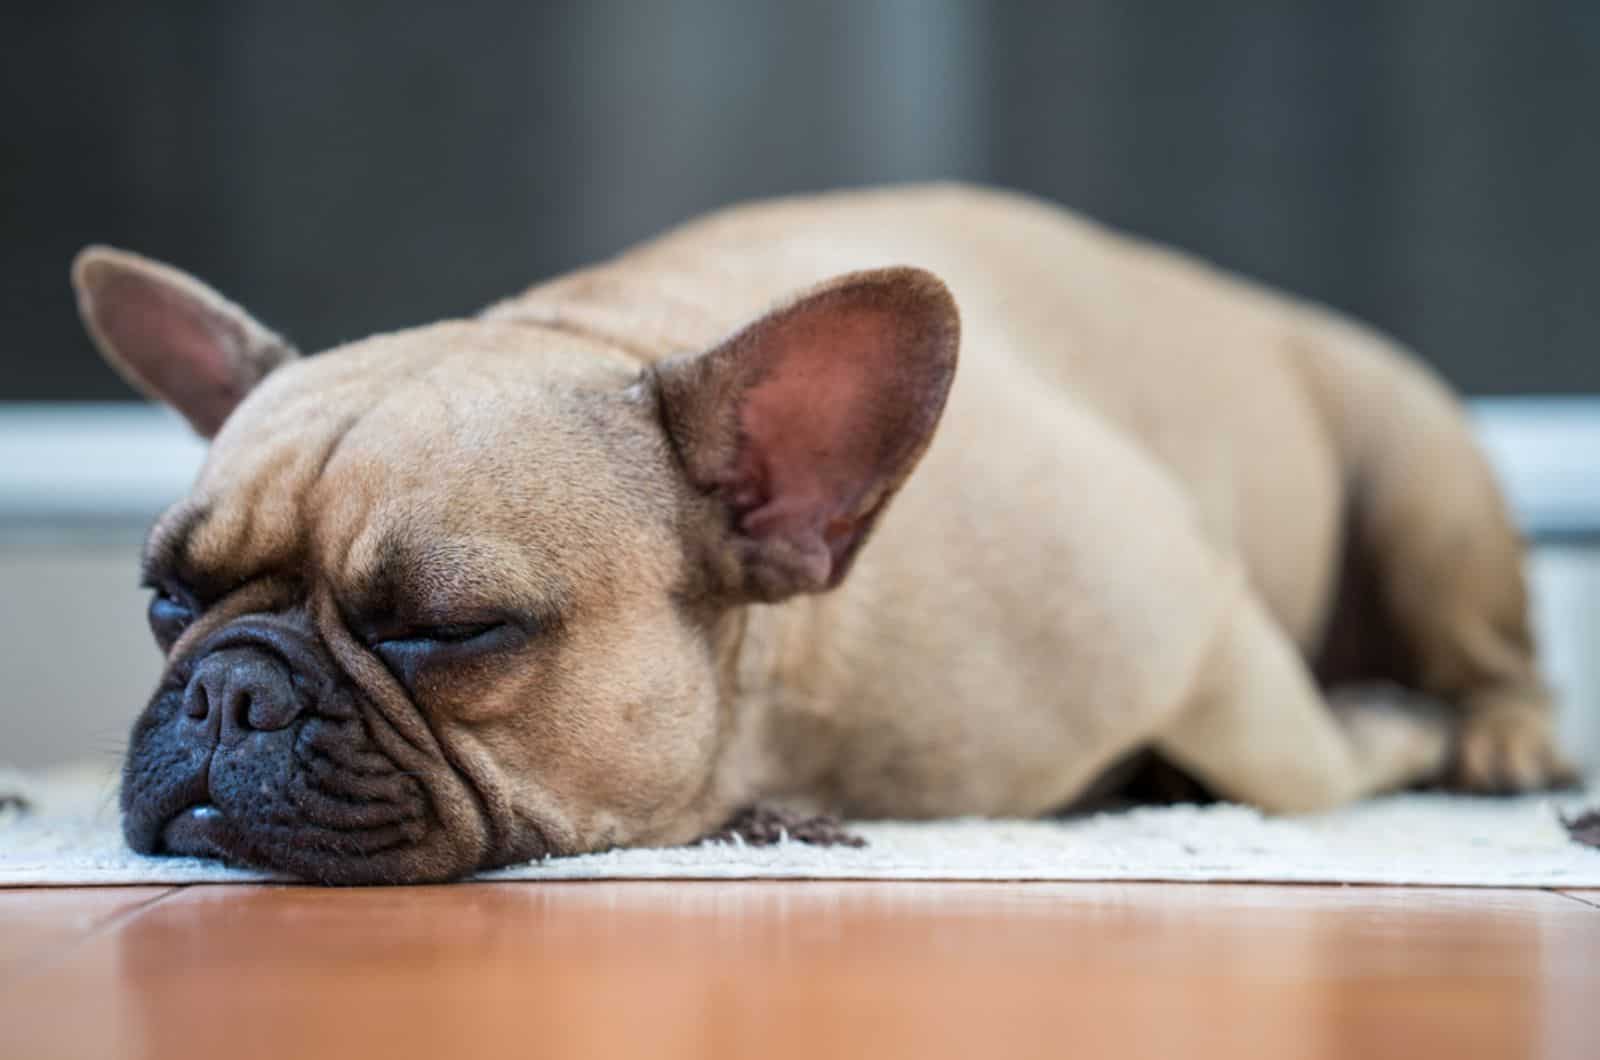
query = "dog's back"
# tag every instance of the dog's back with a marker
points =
(1196, 370)
(1139, 451)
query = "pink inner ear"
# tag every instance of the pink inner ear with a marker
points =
(823, 429)
(806, 421)
(184, 353)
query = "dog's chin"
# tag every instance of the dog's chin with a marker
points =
(197, 832)
(204, 830)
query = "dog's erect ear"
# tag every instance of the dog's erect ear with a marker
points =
(171, 336)
(805, 422)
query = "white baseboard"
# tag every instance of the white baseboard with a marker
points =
(117, 465)
(1547, 454)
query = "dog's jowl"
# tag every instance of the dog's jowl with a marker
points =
(718, 525)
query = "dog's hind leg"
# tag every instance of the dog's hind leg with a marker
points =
(1255, 728)
(1446, 560)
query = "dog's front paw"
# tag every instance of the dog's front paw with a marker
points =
(1509, 747)
(763, 826)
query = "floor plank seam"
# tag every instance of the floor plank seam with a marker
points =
(1577, 898)
(99, 927)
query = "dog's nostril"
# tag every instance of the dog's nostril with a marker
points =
(241, 690)
(195, 701)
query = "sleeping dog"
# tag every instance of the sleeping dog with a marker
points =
(718, 525)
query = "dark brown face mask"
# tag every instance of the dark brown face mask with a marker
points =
(254, 750)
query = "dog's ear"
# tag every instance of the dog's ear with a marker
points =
(805, 422)
(171, 336)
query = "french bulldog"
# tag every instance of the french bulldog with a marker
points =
(717, 526)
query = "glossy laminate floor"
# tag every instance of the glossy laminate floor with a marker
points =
(797, 969)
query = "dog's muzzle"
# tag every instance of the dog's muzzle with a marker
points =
(253, 750)
(232, 694)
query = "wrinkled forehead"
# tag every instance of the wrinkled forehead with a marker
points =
(509, 472)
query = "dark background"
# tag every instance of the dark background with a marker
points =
(344, 168)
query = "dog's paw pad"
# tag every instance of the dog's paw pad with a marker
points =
(762, 826)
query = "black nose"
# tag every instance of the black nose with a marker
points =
(237, 691)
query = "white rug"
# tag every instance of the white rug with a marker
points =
(69, 835)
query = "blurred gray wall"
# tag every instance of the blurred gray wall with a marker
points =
(344, 168)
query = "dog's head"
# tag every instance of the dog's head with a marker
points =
(458, 596)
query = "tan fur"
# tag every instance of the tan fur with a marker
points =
(1127, 532)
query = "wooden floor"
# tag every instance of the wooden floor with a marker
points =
(815, 970)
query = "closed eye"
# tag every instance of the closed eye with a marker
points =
(408, 651)
(459, 634)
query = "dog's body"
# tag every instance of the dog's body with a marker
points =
(1157, 497)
